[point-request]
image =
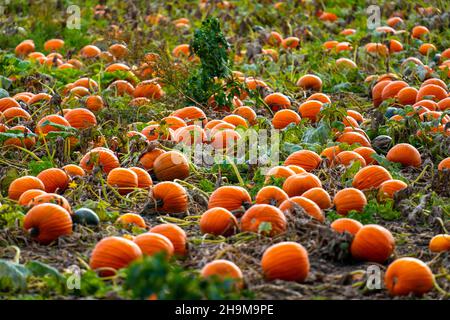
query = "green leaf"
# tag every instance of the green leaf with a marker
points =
(13, 277)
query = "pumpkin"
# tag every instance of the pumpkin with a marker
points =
(173, 122)
(94, 103)
(353, 138)
(296, 168)
(236, 120)
(308, 160)
(298, 184)
(285, 261)
(223, 269)
(85, 216)
(277, 101)
(148, 89)
(47, 222)
(407, 96)
(7, 102)
(392, 89)
(319, 196)
(377, 91)
(121, 87)
(103, 157)
(15, 113)
(229, 197)
(278, 172)
(282, 118)
(144, 178)
(310, 82)
(342, 225)
(153, 243)
(90, 51)
(125, 180)
(81, 118)
(190, 115)
(171, 165)
(310, 109)
(372, 243)
(347, 158)
(408, 275)
(247, 113)
(405, 154)
(367, 153)
(175, 234)
(148, 159)
(290, 42)
(118, 50)
(54, 179)
(219, 222)
(309, 206)
(432, 92)
(435, 81)
(190, 135)
(22, 184)
(72, 170)
(370, 177)
(112, 254)
(225, 140)
(42, 97)
(131, 219)
(389, 188)
(330, 153)
(271, 195)
(349, 199)
(169, 197)
(444, 104)
(24, 48)
(255, 219)
(440, 243)
(27, 141)
(44, 125)
(444, 164)
(28, 195)
(322, 97)
(50, 198)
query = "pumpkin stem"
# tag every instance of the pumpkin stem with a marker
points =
(438, 288)
(34, 232)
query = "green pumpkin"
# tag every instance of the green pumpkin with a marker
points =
(85, 216)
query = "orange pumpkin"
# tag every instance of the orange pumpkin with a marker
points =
(153, 243)
(47, 222)
(72, 170)
(440, 243)
(310, 82)
(27, 141)
(229, 197)
(28, 195)
(148, 89)
(390, 187)
(171, 165)
(405, 154)
(309, 206)
(144, 179)
(372, 243)
(283, 118)
(190, 115)
(112, 254)
(81, 118)
(349, 199)
(432, 92)
(444, 164)
(173, 122)
(392, 89)
(247, 113)
(54, 179)
(258, 215)
(223, 269)
(147, 160)
(175, 234)
(102, 157)
(308, 160)
(346, 225)
(298, 184)
(44, 125)
(330, 153)
(285, 261)
(367, 153)
(169, 197)
(218, 221)
(319, 196)
(310, 109)
(278, 172)
(94, 103)
(131, 219)
(353, 138)
(347, 158)
(22, 184)
(271, 195)
(408, 275)
(124, 180)
(370, 177)
(277, 101)
(50, 198)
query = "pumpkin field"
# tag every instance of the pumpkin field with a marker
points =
(208, 149)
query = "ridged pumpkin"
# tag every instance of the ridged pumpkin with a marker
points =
(173, 122)
(219, 222)
(113, 253)
(372, 243)
(28, 195)
(346, 225)
(407, 96)
(308, 160)
(230, 197)
(319, 196)
(169, 197)
(223, 269)
(44, 125)
(277, 101)
(258, 214)
(377, 91)
(271, 195)
(353, 138)
(330, 153)
(81, 118)
(310, 82)
(27, 141)
(408, 275)
(310, 109)
(47, 222)
(171, 165)
(346, 158)
(175, 234)
(282, 118)
(144, 179)
(94, 103)
(50, 198)
(298, 184)
(370, 177)
(73, 170)
(148, 159)
(392, 89)
(131, 219)
(366, 153)
(390, 187)
(440, 243)
(103, 157)
(124, 180)
(349, 199)
(148, 89)
(285, 261)
(405, 154)
(309, 206)
(153, 243)
(22, 184)
(54, 179)
(190, 115)
(278, 172)
(432, 92)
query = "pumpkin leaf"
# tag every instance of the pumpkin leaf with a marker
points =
(39, 269)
